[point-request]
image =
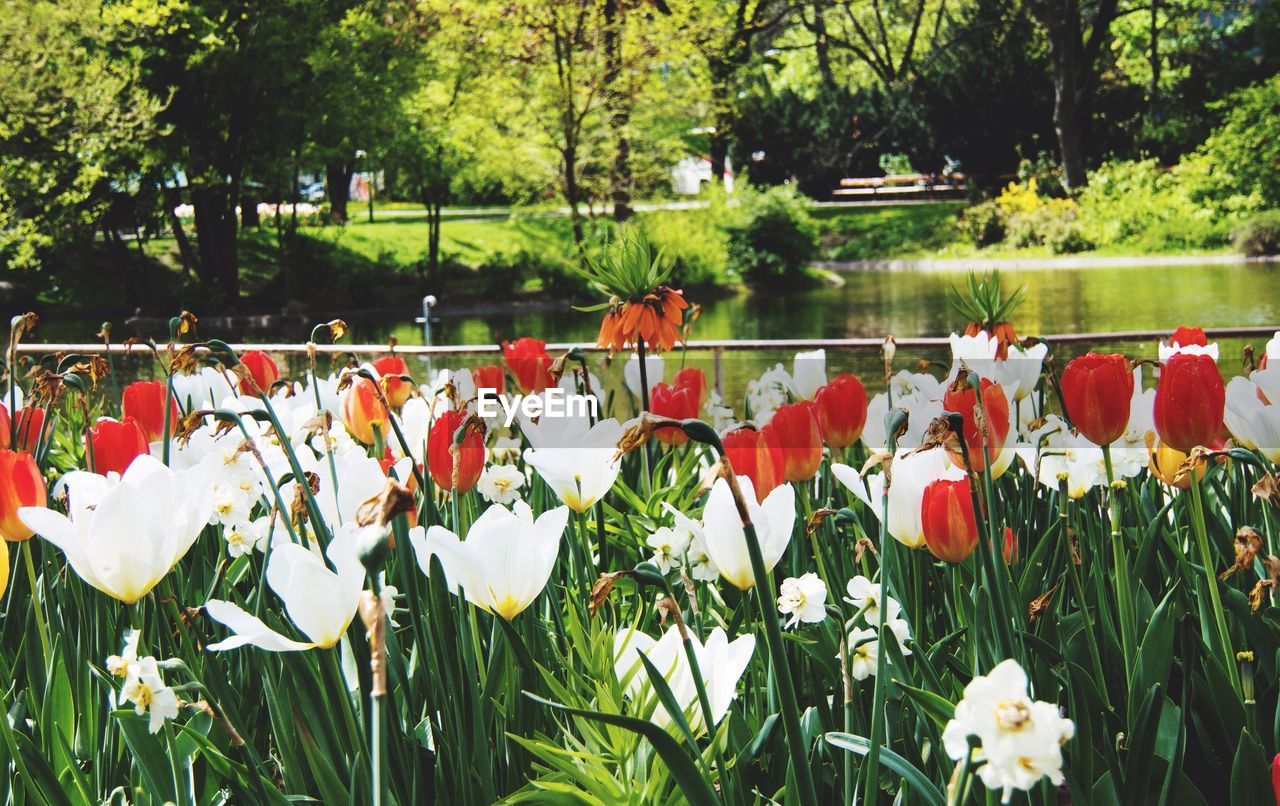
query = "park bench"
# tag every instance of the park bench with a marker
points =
(896, 185)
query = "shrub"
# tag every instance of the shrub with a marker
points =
(982, 223)
(774, 238)
(1244, 150)
(693, 243)
(1259, 236)
(1141, 203)
(504, 273)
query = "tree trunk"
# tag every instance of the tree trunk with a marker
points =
(249, 212)
(1064, 50)
(719, 152)
(119, 255)
(573, 195)
(822, 47)
(190, 263)
(216, 240)
(617, 104)
(337, 185)
(1153, 94)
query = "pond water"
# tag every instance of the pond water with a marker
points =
(913, 303)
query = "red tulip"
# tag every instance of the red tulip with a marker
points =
(6, 430)
(946, 517)
(960, 398)
(841, 408)
(1097, 390)
(757, 456)
(363, 411)
(676, 402)
(1275, 778)
(264, 371)
(528, 360)
(1189, 402)
(694, 380)
(800, 438)
(112, 445)
(390, 368)
(28, 427)
(144, 402)
(440, 458)
(21, 485)
(490, 376)
(1189, 337)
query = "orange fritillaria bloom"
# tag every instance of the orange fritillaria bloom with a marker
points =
(656, 319)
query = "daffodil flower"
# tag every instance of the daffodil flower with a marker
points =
(505, 561)
(320, 602)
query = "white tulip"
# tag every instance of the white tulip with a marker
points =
(809, 371)
(1168, 351)
(726, 541)
(653, 367)
(124, 535)
(1020, 372)
(577, 460)
(912, 472)
(505, 561)
(1273, 348)
(205, 389)
(721, 662)
(320, 602)
(978, 352)
(1254, 423)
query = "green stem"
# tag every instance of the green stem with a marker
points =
(1120, 558)
(1223, 638)
(36, 601)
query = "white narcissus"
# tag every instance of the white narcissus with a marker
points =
(809, 372)
(124, 535)
(505, 561)
(912, 472)
(320, 602)
(577, 460)
(726, 541)
(803, 598)
(1254, 422)
(1021, 740)
(720, 661)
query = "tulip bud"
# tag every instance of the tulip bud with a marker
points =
(390, 369)
(676, 402)
(440, 458)
(1166, 462)
(264, 371)
(27, 426)
(21, 485)
(144, 402)
(796, 429)
(946, 516)
(1190, 401)
(362, 410)
(489, 377)
(112, 445)
(841, 409)
(757, 456)
(1010, 546)
(695, 380)
(961, 399)
(529, 362)
(1097, 390)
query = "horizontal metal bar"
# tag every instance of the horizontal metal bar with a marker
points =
(720, 344)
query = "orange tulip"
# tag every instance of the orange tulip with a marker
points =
(960, 398)
(440, 455)
(800, 438)
(28, 426)
(678, 403)
(490, 376)
(363, 411)
(392, 369)
(1097, 390)
(21, 485)
(946, 517)
(1190, 401)
(264, 371)
(112, 445)
(528, 360)
(144, 402)
(841, 408)
(756, 455)
(695, 380)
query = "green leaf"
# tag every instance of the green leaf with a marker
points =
(691, 781)
(1249, 778)
(915, 779)
(937, 708)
